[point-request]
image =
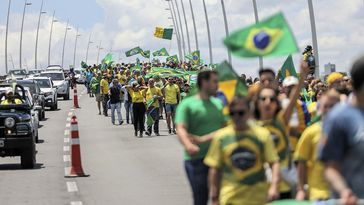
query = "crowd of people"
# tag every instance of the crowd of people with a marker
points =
(296, 138)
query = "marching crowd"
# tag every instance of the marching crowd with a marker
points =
(295, 138)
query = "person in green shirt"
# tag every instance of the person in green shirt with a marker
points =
(197, 118)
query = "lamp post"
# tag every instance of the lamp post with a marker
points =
(74, 52)
(98, 53)
(314, 38)
(226, 26)
(36, 38)
(6, 39)
(64, 41)
(194, 24)
(88, 46)
(208, 31)
(186, 25)
(21, 32)
(257, 21)
(50, 38)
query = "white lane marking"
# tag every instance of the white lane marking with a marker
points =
(66, 140)
(68, 125)
(66, 148)
(68, 119)
(76, 203)
(72, 187)
(66, 158)
(66, 132)
(70, 114)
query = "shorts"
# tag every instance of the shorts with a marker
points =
(171, 108)
(98, 97)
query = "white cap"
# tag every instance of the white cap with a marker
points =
(8, 90)
(289, 81)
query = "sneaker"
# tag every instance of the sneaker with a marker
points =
(148, 133)
(157, 134)
(121, 122)
(99, 113)
(174, 132)
(170, 131)
(141, 135)
(127, 121)
(136, 133)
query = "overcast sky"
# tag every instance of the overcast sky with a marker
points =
(123, 24)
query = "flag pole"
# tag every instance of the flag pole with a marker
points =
(208, 31)
(257, 21)
(226, 27)
(314, 38)
(187, 31)
(194, 24)
(176, 9)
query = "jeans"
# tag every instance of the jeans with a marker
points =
(105, 98)
(197, 173)
(117, 107)
(129, 110)
(138, 114)
(155, 115)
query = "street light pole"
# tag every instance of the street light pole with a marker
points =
(257, 21)
(50, 38)
(187, 32)
(21, 33)
(194, 24)
(64, 41)
(175, 25)
(88, 46)
(226, 27)
(98, 53)
(36, 38)
(180, 31)
(74, 52)
(6, 39)
(208, 31)
(314, 38)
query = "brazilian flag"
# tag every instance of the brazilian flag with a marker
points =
(133, 51)
(270, 37)
(173, 58)
(107, 61)
(230, 84)
(161, 52)
(83, 65)
(196, 58)
(164, 33)
(287, 69)
(145, 54)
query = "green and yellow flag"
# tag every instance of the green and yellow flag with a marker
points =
(287, 69)
(270, 37)
(164, 33)
(161, 52)
(145, 54)
(230, 84)
(173, 58)
(133, 51)
(196, 58)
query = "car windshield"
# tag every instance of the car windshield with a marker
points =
(31, 87)
(32, 72)
(18, 72)
(53, 76)
(44, 83)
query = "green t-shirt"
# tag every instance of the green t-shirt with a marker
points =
(200, 117)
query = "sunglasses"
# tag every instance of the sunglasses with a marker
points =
(239, 113)
(271, 98)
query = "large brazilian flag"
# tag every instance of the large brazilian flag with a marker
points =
(270, 37)
(287, 69)
(133, 51)
(145, 54)
(161, 52)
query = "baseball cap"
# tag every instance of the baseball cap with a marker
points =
(289, 81)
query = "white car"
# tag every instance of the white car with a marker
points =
(19, 74)
(59, 82)
(80, 77)
(50, 92)
(54, 68)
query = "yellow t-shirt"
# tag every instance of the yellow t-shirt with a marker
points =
(7, 102)
(104, 87)
(170, 92)
(307, 151)
(137, 96)
(121, 78)
(240, 156)
(150, 92)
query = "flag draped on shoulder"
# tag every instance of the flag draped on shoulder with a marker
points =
(287, 69)
(164, 33)
(161, 52)
(133, 51)
(270, 37)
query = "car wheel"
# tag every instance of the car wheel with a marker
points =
(28, 158)
(56, 106)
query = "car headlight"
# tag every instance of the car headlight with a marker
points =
(9, 122)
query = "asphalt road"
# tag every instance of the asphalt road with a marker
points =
(123, 169)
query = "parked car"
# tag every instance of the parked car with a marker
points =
(17, 131)
(18, 74)
(49, 92)
(37, 95)
(60, 82)
(33, 73)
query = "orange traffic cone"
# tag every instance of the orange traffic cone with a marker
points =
(75, 98)
(76, 165)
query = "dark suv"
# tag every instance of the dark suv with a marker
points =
(17, 136)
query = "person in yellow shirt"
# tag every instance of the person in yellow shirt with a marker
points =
(137, 93)
(171, 94)
(10, 99)
(310, 170)
(236, 159)
(104, 91)
(153, 95)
